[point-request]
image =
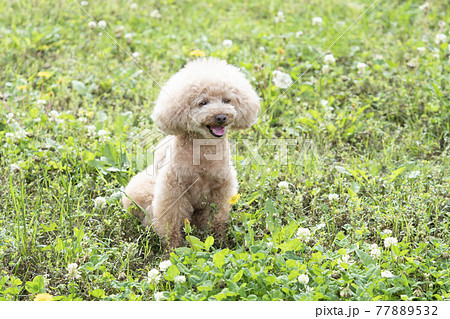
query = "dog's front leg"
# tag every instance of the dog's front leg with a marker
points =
(170, 208)
(220, 215)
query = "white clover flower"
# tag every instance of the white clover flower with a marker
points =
(164, 265)
(303, 279)
(92, 25)
(440, 38)
(387, 274)
(387, 231)
(283, 185)
(281, 80)
(9, 117)
(102, 24)
(441, 24)
(411, 64)
(116, 195)
(329, 59)
(333, 197)
(133, 6)
(304, 234)
(373, 246)
(82, 119)
(53, 115)
(262, 49)
(84, 3)
(180, 279)
(280, 17)
(102, 136)
(21, 134)
(159, 296)
(317, 21)
(72, 271)
(270, 245)
(155, 14)
(309, 289)
(378, 57)
(128, 36)
(326, 68)
(153, 276)
(421, 50)
(9, 135)
(14, 168)
(324, 102)
(389, 241)
(413, 174)
(136, 55)
(227, 43)
(425, 7)
(298, 34)
(375, 253)
(91, 130)
(41, 102)
(361, 66)
(99, 202)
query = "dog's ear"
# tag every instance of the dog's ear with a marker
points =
(248, 108)
(169, 114)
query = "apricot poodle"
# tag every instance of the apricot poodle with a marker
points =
(191, 176)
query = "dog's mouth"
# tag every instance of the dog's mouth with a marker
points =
(216, 131)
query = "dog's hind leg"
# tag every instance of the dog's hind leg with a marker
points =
(139, 190)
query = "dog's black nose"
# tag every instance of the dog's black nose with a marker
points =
(220, 119)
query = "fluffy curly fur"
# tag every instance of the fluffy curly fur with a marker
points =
(192, 177)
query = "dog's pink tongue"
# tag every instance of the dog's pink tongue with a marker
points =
(218, 130)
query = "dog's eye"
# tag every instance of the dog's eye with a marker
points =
(203, 103)
(226, 101)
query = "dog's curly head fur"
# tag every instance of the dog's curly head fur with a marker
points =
(204, 98)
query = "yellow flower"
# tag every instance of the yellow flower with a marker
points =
(89, 113)
(22, 87)
(86, 113)
(235, 198)
(187, 226)
(197, 53)
(44, 74)
(43, 297)
(280, 51)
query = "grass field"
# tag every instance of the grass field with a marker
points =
(358, 209)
